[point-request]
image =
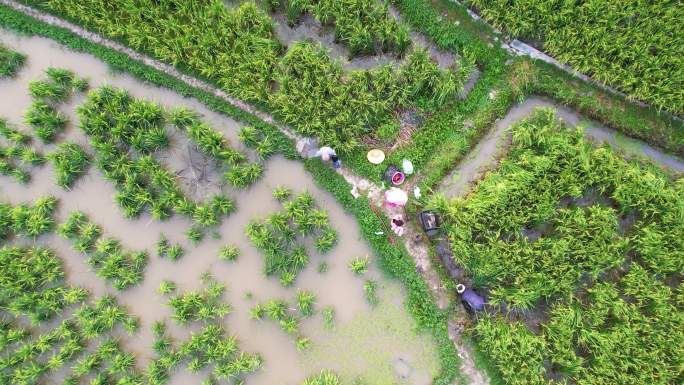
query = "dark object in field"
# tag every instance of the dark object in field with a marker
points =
(430, 222)
(471, 301)
(393, 175)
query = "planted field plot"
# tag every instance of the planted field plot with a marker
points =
(237, 49)
(150, 298)
(634, 46)
(583, 252)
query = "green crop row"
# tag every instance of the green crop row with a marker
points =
(563, 224)
(633, 45)
(10, 61)
(364, 26)
(237, 49)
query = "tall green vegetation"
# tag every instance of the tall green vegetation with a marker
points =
(70, 162)
(359, 101)
(633, 45)
(10, 61)
(277, 237)
(236, 48)
(364, 26)
(595, 239)
(18, 155)
(106, 256)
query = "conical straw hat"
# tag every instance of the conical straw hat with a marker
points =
(375, 156)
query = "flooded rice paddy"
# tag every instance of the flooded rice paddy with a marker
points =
(377, 344)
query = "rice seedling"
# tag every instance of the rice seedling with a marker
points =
(45, 120)
(323, 267)
(110, 261)
(28, 220)
(194, 235)
(210, 346)
(70, 162)
(200, 306)
(370, 289)
(166, 287)
(303, 343)
(276, 236)
(328, 317)
(11, 159)
(103, 316)
(326, 377)
(10, 62)
(282, 193)
(305, 302)
(359, 265)
(58, 87)
(229, 253)
(244, 175)
(167, 250)
(12, 134)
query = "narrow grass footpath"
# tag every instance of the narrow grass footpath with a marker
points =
(408, 262)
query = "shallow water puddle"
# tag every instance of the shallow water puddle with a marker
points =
(377, 344)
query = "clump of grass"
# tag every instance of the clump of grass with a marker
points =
(194, 235)
(305, 302)
(70, 162)
(81, 231)
(370, 288)
(329, 317)
(323, 267)
(45, 120)
(167, 250)
(58, 87)
(10, 62)
(229, 253)
(359, 265)
(244, 175)
(166, 287)
(282, 193)
(303, 343)
(200, 306)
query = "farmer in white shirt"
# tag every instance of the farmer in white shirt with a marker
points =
(327, 153)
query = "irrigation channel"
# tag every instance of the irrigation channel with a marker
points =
(377, 343)
(493, 146)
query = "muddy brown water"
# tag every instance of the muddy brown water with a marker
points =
(378, 344)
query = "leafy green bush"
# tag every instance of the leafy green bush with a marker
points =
(70, 162)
